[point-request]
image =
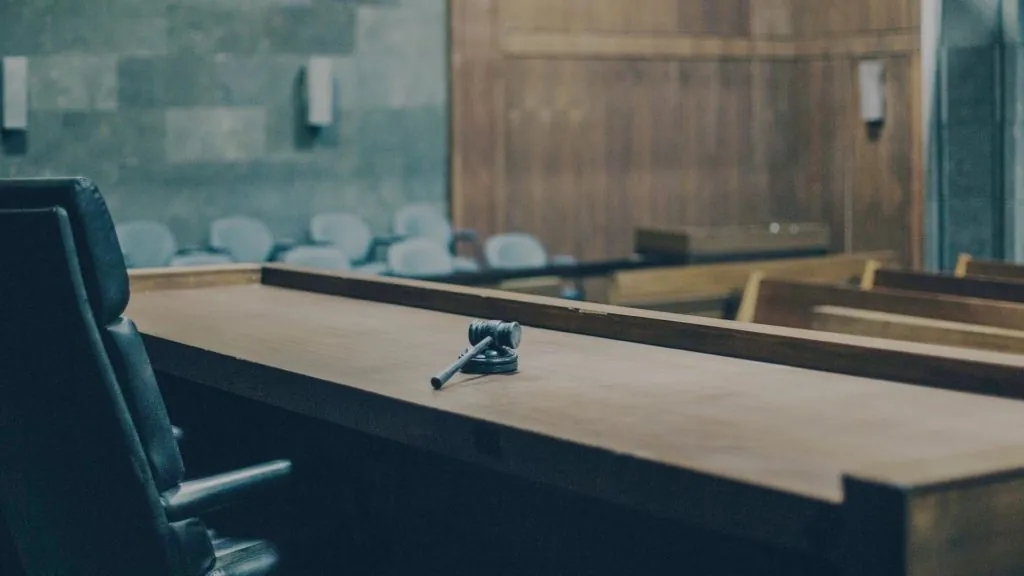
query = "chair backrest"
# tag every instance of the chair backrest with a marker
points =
(322, 257)
(347, 231)
(146, 244)
(423, 221)
(93, 255)
(200, 259)
(75, 488)
(245, 238)
(515, 251)
(420, 257)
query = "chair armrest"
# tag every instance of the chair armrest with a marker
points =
(563, 260)
(281, 247)
(379, 242)
(197, 497)
(465, 235)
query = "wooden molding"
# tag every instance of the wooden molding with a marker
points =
(521, 44)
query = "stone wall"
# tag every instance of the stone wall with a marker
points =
(186, 110)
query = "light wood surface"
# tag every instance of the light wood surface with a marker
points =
(788, 303)
(659, 286)
(968, 266)
(550, 286)
(851, 470)
(916, 329)
(149, 279)
(784, 428)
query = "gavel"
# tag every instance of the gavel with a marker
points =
(494, 336)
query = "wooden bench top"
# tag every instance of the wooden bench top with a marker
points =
(754, 449)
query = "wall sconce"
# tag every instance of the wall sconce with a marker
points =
(319, 92)
(872, 91)
(15, 93)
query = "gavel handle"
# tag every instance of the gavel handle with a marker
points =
(441, 379)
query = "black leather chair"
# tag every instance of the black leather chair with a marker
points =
(91, 479)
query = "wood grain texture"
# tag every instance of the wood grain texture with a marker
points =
(661, 285)
(147, 280)
(968, 266)
(349, 342)
(791, 304)
(949, 368)
(916, 329)
(920, 521)
(852, 470)
(774, 237)
(1010, 290)
(597, 117)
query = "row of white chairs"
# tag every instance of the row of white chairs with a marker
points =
(423, 244)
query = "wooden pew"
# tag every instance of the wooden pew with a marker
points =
(735, 243)
(881, 313)
(712, 289)
(857, 322)
(969, 286)
(540, 286)
(968, 266)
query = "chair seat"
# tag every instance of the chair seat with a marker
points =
(376, 268)
(463, 264)
(238, 557)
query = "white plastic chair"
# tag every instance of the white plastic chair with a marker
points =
(420, 257)
(146, 244)
(244, 238)
(320, 257)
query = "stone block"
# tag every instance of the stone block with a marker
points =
(324, 28)
(221, 80)
(73, 82)
(215, 134)
(401, 60)
(215, 29)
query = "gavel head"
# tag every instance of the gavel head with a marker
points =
(505, 334)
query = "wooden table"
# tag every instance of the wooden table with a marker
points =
(634, 408)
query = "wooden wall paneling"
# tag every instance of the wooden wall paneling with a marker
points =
(881, 207)
(556, 204)
(617, 115)
(638, 202)
(671, 136)
(690, 16)
(587, 220)
(917, 165)
(707, 95)
(607, 16)
(771, 18)
(745, 120)
(475, 85)
(727, 17)
(782, 143)
(661, 16)
(692, 142)
(815, 136)
(702, 126)
(522, 157)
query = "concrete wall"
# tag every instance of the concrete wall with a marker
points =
(969, 173)
(186, 110)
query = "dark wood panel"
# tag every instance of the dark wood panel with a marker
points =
(968, 287)
(476, 189)
(791, 304)
(626, 121)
